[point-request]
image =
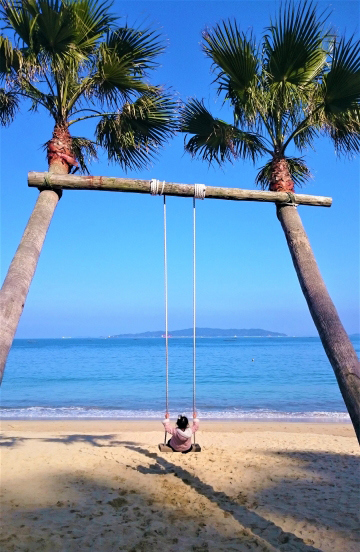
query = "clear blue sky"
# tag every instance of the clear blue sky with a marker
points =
(101, 269)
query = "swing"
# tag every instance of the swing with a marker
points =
(199, 193)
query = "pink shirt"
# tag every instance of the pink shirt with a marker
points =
(181, 440)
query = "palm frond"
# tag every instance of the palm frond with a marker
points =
(235, 64)
(17, 17)
(215, 140)
(10, 58)
(58, 30)
(341, 85)
(344, 131)
(138, 48)
(134, 136)
(9, 105)
(84, 151)
(294, 50)
(341, 97)
(298, 170)
(114, 81)
(92, 21)
(306, 136)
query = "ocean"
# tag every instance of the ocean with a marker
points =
(237, 378)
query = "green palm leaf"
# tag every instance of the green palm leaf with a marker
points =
(58, 30)
(84, 150)
(341, 85)
(235, 64)
(135, 47)
(215, 140)
(341, 96)
(306, 136)
(114, 81)
(233, 54)
(10, 58)
(133, 136)
(294, 53)
(9, 105)
(92, 21)
(18, 18)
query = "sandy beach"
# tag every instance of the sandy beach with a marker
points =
(104, 486)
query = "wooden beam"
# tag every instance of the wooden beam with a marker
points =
(109, 184)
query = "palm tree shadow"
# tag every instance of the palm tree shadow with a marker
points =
(332, 473)
(265, 531)
(10, 441)
(94, 440)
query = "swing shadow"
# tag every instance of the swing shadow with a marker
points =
(260, 527)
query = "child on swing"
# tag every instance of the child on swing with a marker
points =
(181, 434)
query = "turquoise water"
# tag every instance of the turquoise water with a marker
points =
(125, 378)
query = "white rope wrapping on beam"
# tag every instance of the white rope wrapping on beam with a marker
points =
(155, 187)
(199, 191)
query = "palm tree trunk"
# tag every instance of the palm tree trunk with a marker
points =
(22, 269)
(335, 340)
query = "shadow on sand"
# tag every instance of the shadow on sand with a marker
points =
(266, 532)
(316, 506)
(94, 440)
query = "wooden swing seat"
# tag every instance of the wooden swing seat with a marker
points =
(166, 448)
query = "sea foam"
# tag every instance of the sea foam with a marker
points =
(40, 412)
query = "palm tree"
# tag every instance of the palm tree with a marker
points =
(69, 58)
(300, 82)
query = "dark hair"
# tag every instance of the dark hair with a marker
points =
(182, 422)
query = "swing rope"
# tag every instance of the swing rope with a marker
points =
(155, 190)
(166, 319)
(199, 193)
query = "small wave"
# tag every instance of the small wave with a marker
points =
(40, 412)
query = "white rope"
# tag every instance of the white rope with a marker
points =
(199, 191)
(154, 187)
(155, 190)
(166, 316)
(194, 306)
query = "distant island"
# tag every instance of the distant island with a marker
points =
(205, 332)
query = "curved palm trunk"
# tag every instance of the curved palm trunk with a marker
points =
(335, 340)
(21, 271)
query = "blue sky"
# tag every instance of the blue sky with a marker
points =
(101, 268)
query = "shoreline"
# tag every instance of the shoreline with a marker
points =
(147, 426)
(147, 419)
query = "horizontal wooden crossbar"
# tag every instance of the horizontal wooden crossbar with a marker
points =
(109, 184)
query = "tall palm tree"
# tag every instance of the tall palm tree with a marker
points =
(69, 58)
(298, 83)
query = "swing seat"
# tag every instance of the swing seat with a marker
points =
(166, 448)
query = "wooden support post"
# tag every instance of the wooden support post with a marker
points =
(75, 182)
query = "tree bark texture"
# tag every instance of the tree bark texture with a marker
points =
(59, 150)
(112, 184)
(21, 271)
(22, 268)
(280, 177)
(335, 340)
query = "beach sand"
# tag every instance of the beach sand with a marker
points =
(104, 486)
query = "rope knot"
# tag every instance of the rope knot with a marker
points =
(199, 191)
(155, 187)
